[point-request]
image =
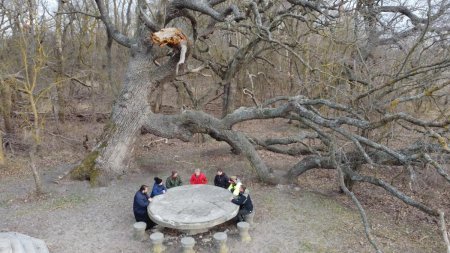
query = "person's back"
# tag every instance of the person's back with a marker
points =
(158, 188)
(140, 204)
(244, 202)
(248, 204)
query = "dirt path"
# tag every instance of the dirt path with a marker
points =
(73, 217)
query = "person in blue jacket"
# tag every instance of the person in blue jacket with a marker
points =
(244, 202)
(140, 204)
(158, 187)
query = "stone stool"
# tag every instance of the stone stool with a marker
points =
(139, 231)
(221, 242)
(188, 244)
(249, 218)
(157, 239)
(243, 231)
(5, 246)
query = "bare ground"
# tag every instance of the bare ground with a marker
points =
(310, 216)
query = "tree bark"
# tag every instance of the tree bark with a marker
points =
(60, 83)
(2, 155)
(35, 171)
(5, 106)
(109, 159)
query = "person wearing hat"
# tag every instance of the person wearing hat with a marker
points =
(235, 185)
(198, 178)
(221, 179)
(158, 188)
(173, 180)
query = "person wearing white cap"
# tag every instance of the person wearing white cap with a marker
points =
(235, 185)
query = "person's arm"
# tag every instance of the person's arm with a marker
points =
(142, 201)
(169, 183)
(192, 180)
(154, 191)
(239, 200)
(237, 189)
(179, 182)
(205, 179)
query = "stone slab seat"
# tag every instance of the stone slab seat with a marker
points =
(12, 242)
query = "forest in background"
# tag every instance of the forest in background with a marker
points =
(366, 82)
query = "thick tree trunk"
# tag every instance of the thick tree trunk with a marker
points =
(229, 96)
(108, 49)
(110, 158)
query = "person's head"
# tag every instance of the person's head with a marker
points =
(219, 172)
(158, 180)
(242, 189)
(233, 179)
(143, 189)
(197, 172)
(174, 173)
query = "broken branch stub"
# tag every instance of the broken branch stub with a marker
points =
(169, 36)
(172, 37)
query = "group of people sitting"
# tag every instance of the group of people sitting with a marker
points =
(143, 198)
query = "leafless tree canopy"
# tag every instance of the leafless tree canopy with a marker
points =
(366, 82)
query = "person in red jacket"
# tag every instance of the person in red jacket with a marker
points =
(198, 178)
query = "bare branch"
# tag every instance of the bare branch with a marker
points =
(117, 36)
(79, 12)
(148, 22)
(437, 166)
(392, 190)
(443, 228)
(352, 196)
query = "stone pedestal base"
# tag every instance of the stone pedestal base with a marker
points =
(139, 231)
(195, 231)
(221, 242)
(187, 243)
(243, 231)
(157, 242)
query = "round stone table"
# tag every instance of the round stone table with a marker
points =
(193, 208)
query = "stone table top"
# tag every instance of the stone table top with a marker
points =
(191, 207)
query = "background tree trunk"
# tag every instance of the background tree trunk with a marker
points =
(60, 71)
(6, 106)
(2, 155)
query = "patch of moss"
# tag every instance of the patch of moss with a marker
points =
(94, 176)
(86, 170)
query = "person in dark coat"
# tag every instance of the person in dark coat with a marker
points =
(244, 202)
(140, 204)
(221, 179)
(158, 188)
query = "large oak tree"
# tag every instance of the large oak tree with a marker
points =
(384, 59)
